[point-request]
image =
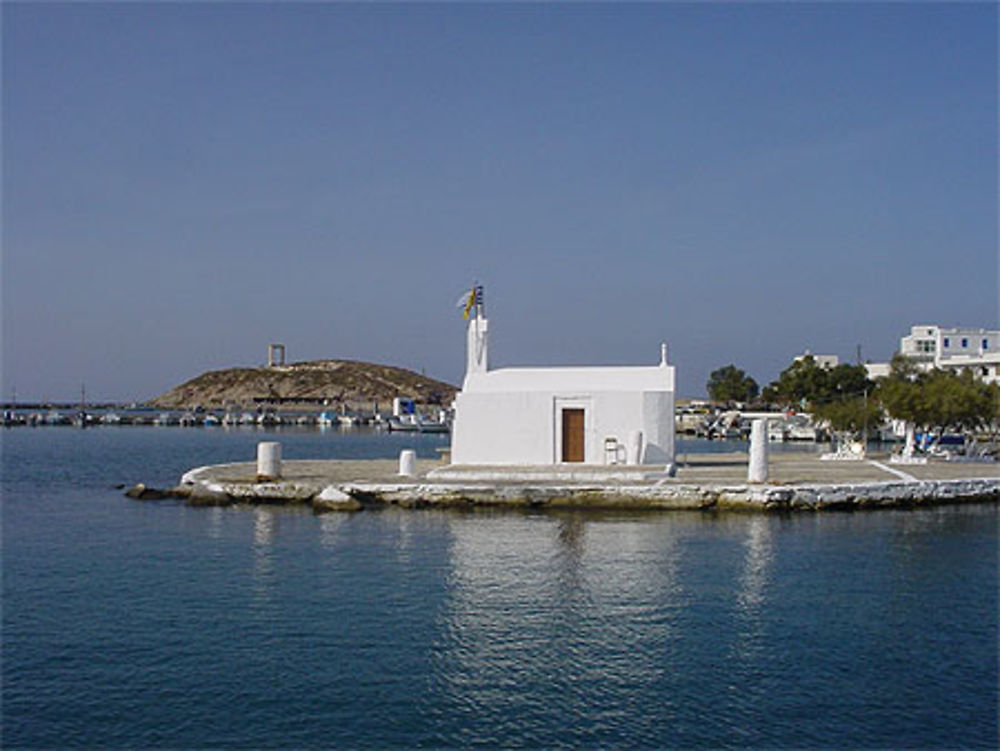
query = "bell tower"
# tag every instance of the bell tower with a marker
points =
(477, 347)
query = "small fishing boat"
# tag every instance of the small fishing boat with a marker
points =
(776, 431)
(56, 418)
(932, 439)
(413, 424)
(268, 419)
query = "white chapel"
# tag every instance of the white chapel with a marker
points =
(546, 416)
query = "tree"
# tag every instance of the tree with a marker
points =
(901, 393)
(957, 402)
(798, 383)
(847, 381)
(938, 401)
(994, 411)
(853, 415)
(806, 384)
(730, 384)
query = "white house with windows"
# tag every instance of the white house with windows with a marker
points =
(958, 349)
(548, 416)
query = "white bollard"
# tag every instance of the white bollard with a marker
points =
(408, 462)
(634, 455)
(268, 461)
(911, 440)
(757, 471)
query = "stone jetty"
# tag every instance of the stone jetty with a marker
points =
(796, 482)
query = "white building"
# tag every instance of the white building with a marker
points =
(877, 370)
(958, 349)
(546, 416)
(822, 361)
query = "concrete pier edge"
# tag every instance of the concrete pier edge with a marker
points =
(210, 486)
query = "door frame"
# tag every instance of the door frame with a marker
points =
(561, 403)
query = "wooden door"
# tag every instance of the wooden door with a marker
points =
(572, 435)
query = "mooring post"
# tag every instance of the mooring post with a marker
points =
(408, 462)
(757, 471)
(268, 461)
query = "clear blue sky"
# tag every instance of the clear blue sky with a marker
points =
(183, 184)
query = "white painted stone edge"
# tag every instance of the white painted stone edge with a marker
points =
(334, 494)
(194, 476)
(809, 494)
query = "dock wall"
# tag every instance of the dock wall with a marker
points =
(226, 484)
(735, 497)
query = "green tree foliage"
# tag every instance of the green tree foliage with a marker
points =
(852, 415)
(939, 400)
(902, 393)
(730, 384)
(806, 384)
(957, 402)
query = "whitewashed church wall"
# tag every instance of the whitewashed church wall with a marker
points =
(616, 415)
(526, 428)
(502, 429)
(658, 419)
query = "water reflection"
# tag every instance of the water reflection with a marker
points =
(404, 543)
(264, 524)
(758, 558)
(571, 534)
(329, 529)
(756, 566)
(634, 559)
(581, 604)
(215, 517)
(569, 549)
(263, 529)
(634, 577)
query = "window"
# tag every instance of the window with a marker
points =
(947, 342)
(965, 343)
(925, 346)
(985, 371)
(986, 343)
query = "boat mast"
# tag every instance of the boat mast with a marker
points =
(83, 405)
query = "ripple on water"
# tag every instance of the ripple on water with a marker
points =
(158, 625)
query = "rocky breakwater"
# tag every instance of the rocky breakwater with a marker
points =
(225, 485)
(313, 483)
(741, 497)
(329, 498)
(859, 496)
(354, 485)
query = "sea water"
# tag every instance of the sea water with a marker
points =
(131, 624)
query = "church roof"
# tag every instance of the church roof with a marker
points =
(609, 378)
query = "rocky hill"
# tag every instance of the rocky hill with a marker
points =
(318, 382)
